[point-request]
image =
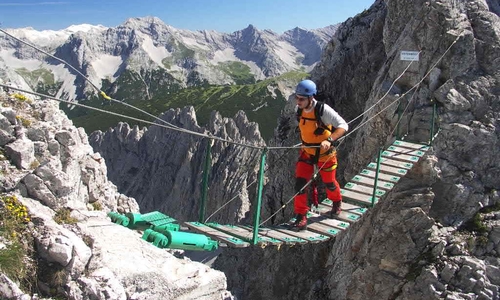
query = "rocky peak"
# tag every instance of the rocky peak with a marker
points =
(150, 26)
(143, 22)
(310, 43)
(249, 30)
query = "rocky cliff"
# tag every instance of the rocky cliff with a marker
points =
(436, 235)
(163, 169)
(55, 238)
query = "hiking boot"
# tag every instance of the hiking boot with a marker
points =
(336, 209)
(300, 223)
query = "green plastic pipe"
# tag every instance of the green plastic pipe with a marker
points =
(379, 157)
(206, 167)
(256, 218)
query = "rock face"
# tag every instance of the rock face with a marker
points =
(435, 236)
(163, 169)
(48, 165)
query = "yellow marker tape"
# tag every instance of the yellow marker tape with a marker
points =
(105, 96)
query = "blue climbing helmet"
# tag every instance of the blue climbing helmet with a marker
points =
(306, 88)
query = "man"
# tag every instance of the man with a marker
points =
(319, 125)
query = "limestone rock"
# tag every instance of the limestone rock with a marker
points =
(94, 258)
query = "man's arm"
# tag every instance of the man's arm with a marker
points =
(331, 117)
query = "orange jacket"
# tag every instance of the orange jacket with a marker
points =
(312, 136)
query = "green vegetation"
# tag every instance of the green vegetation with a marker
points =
(179, 52)
(25, 122)
(36, 76)
(476, 224)
(97, 205)
(34, 164)
(40, 80)
(239, 72)
(16, 257)
(183, 51)
(167, 62)
(259, 104)
(477, 228)
(63, 216)
(20, 97)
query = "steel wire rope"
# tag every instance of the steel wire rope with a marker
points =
(412, 88)
(232, 199)
(163, 126)
(382, 98)
(223, 140)
(133, 118)
(313, 177)
(102, 93)
(252, 183)
(404, 110)
(364, 112)
(385, 108)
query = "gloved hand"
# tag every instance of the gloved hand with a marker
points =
(333, 143)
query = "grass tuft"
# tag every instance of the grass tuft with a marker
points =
(63, 216)
(16, 257)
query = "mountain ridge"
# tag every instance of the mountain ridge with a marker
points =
(141, 47)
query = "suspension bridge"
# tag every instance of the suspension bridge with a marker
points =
(362, 192)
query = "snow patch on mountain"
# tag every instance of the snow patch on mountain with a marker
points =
(224, 55)
(52, 38)
(156, 54)
(287, 53)
(106, 66)
(8, 56)
(84, 28)
(10, 65)
(188, 41)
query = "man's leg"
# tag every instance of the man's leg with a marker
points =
(303, 173)
(328, 175)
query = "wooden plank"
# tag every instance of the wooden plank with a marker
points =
(382, 176)
(217, 235)
(411, 145)
(363, 199)
(395, 163)
(348, 207)
(312, 217)
(285, 238)
(323, 229)
(381, 184)
(307, 235)
(358, 188)
(399, 156)
(343, 216)
(406, 151)
(388, 169)
(245, 234)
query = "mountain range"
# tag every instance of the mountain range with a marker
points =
(144, 58)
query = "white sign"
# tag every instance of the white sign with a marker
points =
(410, 55)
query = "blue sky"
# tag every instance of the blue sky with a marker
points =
(220, 15)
